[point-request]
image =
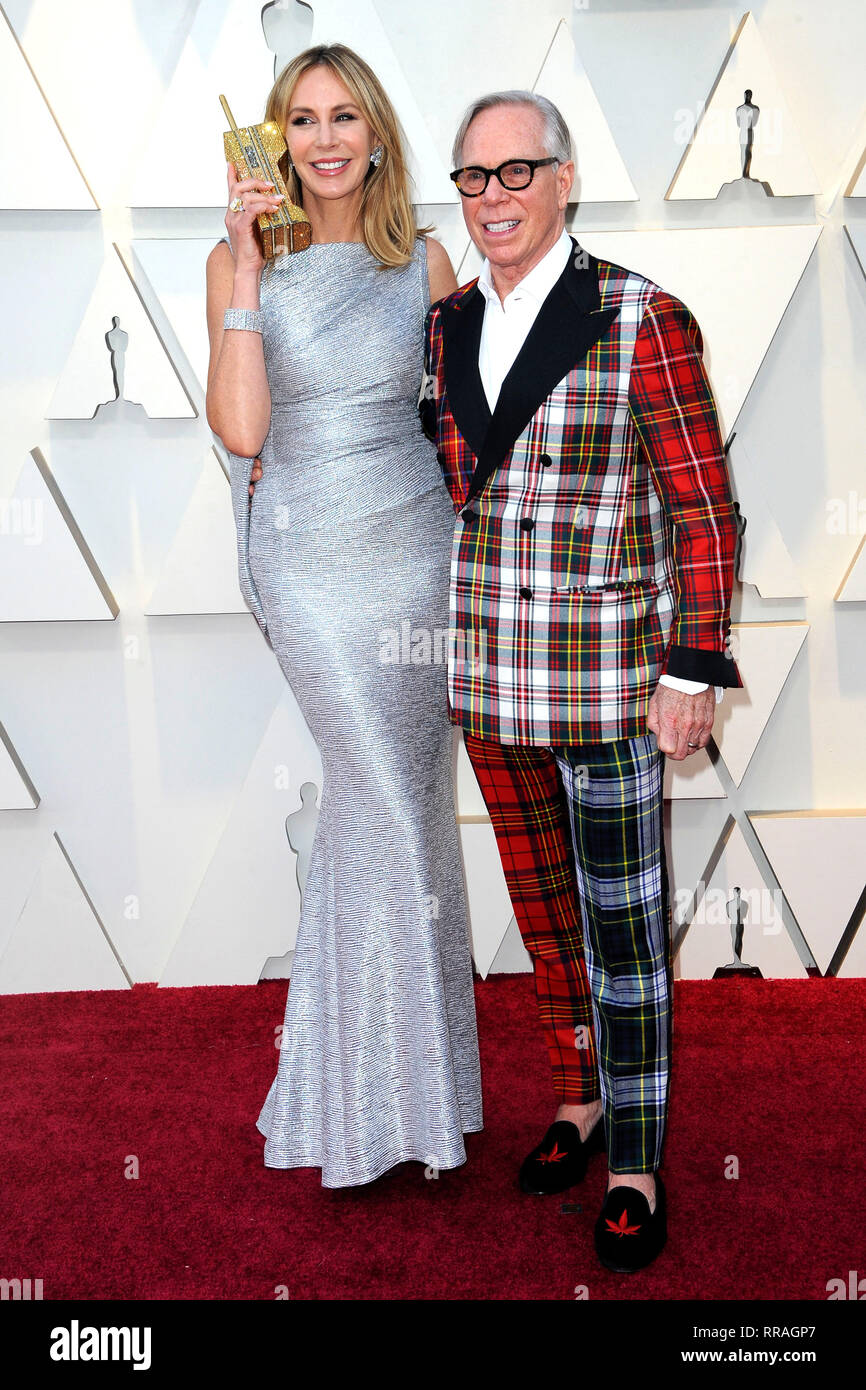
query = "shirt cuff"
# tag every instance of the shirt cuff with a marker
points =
(690, 687)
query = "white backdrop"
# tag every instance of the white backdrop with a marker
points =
(150, 749)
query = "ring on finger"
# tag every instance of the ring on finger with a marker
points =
(236, 205)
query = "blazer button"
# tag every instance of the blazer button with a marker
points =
(545, 460)
(526, 593)
(468, 515)
(526, 523)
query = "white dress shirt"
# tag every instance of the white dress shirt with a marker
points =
(503, 333)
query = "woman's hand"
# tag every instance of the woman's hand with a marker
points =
(255, 475)
(240, 225)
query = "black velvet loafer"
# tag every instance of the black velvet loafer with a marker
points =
(560, 1160)
(628, 1236)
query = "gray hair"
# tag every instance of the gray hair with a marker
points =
(557, 136)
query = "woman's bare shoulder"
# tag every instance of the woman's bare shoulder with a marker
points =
(440, 270)
(437, 256)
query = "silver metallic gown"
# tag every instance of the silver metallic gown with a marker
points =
(344, 560)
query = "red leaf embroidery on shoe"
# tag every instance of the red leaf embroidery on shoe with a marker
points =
(556, 1153)
(621, 1227)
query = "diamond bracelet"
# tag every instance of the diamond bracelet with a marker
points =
(250, 319)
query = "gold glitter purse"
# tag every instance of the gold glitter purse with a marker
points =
(255, 150)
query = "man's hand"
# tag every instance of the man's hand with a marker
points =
(681, 723)
(255, 475)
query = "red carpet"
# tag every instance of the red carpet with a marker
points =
(770, 1072)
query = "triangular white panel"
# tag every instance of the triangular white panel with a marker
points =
(755, 271)
(857, 183)
(512, 958)
(765, 559)
(226, 52)
(693, 779)
(600, 175)
(490, 909)
(692, 836)
(175, 270)
(31, 142)
(764, 653)
(819, 859)
(247, 907)
(200, 571)
(714, 156)
(468, 799)
(857, 237)
(853, 586)
(17, 792)
(149, 377)
(47, 572)
(58, 942)
(708, 943)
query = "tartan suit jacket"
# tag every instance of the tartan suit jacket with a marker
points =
(595, 534)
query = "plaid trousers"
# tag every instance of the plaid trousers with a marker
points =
(580, 833)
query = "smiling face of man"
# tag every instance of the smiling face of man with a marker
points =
(514, 228)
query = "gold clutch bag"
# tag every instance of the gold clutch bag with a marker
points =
(255, 150)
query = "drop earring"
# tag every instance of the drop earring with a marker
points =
(376, 155)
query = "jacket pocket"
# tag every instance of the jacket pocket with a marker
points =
(623, 586)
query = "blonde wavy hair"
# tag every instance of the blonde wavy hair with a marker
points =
(388, 224)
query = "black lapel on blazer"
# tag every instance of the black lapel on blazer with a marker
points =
(567, 325)
(461, 337)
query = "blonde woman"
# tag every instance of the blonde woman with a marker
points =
(344, 557)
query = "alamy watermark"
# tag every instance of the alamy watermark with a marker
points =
(710, 907)
(694, 125)
(23, 517)
(846, 516)
(422, 646)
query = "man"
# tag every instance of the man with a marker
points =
(590, 591)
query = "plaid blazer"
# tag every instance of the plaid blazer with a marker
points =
(595, 537)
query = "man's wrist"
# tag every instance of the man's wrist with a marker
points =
(690, 687)
(681, 683)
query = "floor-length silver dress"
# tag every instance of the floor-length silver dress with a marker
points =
(344, 559)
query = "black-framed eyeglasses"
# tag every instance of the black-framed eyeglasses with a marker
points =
(513, 174)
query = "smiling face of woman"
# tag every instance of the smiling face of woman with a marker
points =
(329, 139)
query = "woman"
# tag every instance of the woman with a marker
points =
(347, 542)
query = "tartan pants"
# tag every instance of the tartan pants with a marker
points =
(580, 833)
